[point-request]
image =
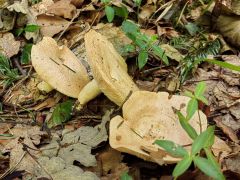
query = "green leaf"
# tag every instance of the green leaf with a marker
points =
(212, 159)
(172, 148)
(61, 113)
(189, 94)
(208, 168)
(121, 11)
(192, 28)
(105, 1)
(186, 126)
(31, 28)
(204, 140)
(18, 31)
(192, 107)
(199, 90)
(182, 166)
(125, 176)
(110, 13)
(224, 64)
(160, 53)
(203, 99)
(138, 2)
(129, 48)
(142, 58)
(26, 54)
(130, 27)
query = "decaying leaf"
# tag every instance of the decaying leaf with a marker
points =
(110, 159)
(148, 116)
(8, 45)
(229, 28)
(59, 67)
(172, 52)
(51, 25)
(57, 168)
(29, 136)
(41, 7)
(62, 8)
(23, 94)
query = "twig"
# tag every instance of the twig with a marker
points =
(25, 148)
(16, 62)
(76, 15)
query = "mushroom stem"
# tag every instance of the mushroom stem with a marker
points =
(89, 92)
(45, 87)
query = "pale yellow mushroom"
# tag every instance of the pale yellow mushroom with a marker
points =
(109, 71)
(148, 116)
(58, 67)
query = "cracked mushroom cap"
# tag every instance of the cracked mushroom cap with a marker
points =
(59, 67)
(108, 67)
(148, 116)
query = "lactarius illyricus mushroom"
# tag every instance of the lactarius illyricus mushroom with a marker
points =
(59, 67)
(148, 116)
(109, 71)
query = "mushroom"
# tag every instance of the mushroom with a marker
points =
(58, 67)
(148, 116)
(61, 69)
(109, 71)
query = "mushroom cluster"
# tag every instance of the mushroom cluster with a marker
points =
(62, 70)
(147, 116)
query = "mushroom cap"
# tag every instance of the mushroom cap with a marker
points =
(59, 67)
(148, 116)
(108, 68)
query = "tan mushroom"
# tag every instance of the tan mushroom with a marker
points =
(148, 116)
(109, 71)
(59, 67)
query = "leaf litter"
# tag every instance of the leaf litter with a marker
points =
(77, 54)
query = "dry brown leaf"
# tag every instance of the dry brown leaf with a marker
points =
(110, 159)
(59, 67)
(51, 25)
(147, 11)
(62, 8)
(23, 94)
(41, 7)
(8, 45)
(77, 3)
(227, 130)
(29, 135)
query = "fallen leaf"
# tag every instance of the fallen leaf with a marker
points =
(146, 12)
(227, 130)
(51, 25)
(8, 45)
(58, 169)
(62, 8)
(30, 136)
(171, 52)
(110, 159)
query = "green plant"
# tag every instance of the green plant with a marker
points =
(125, 176)
(7, 74)
(144, 43)
(26, 53)
(197, 57)
(61, 113)
(27, 28)
(111, 11)
(201, 142)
